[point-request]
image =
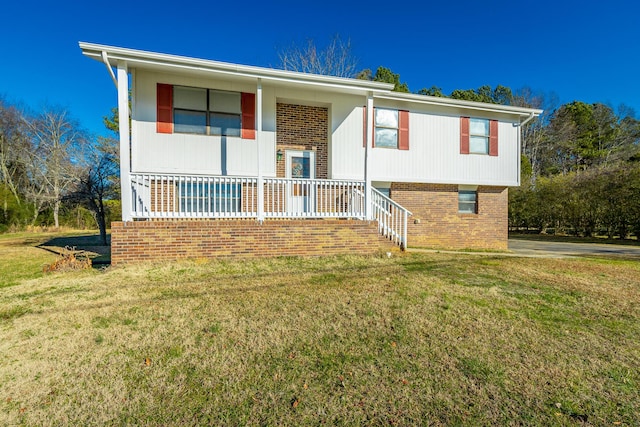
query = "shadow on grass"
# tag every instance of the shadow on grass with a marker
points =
(91, 244)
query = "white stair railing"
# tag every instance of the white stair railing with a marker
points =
(392, 218)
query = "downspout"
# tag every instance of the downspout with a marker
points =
(105, 59)
(531, 116)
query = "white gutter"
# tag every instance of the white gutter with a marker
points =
(138, 57)
(458, 103)
(105, 59)
(531, 116)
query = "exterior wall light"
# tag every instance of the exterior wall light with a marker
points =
(279, 155)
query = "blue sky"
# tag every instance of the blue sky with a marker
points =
(579, 50)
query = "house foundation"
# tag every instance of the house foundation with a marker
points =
(166, 240)
(436, 222)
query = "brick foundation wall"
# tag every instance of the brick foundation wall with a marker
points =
(303, 127)
(137, 241)
(440, 225)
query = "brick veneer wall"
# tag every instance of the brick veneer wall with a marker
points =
(303, 127)
(440, 225)
(137, 241)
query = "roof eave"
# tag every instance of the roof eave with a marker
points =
(468, 105)
(138, 58)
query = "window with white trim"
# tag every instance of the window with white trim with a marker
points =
(206, 111)
(386, 128)
(479, 136)
(467, 201)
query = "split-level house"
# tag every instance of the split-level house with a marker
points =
(221, 159)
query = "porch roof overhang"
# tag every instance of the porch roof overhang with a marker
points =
(139, 59)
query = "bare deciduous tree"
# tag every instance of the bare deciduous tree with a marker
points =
(534, 133)
(95, 183)
(13, 145)
(54, 160)
(336, 59)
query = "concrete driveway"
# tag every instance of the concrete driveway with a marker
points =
(562, 250)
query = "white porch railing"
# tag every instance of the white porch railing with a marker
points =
(188, 196)
(313, 198)
(392, 218)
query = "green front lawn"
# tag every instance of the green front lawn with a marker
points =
(417, 339)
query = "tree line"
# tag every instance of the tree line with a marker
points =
(580, 173)
(53, 173)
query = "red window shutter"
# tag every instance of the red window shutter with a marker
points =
(493, 138)
(248, 106)
(403, 131)
(464, 135)
(364, 127)
(164, 119)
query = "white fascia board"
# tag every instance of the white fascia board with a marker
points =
(457, 103)
(142, 59)
(472, 182)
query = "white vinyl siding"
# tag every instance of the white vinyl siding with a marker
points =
(190, 153)
(434, 154)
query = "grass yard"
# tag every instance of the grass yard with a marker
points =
(417, 339)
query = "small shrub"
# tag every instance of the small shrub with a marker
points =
(68, 262)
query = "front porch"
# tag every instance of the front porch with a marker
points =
(187, 197)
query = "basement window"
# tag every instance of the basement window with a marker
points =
(467, 201)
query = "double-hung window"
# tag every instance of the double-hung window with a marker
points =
(390, 128)
(190, 110)
(206, 111)
(479, 136)
(386, 128)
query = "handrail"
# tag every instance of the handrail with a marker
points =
(392, 218)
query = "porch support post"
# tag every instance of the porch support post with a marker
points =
(258, 143)
(368, 211)
(125, 140)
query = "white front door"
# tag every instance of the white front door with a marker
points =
(301, 166)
